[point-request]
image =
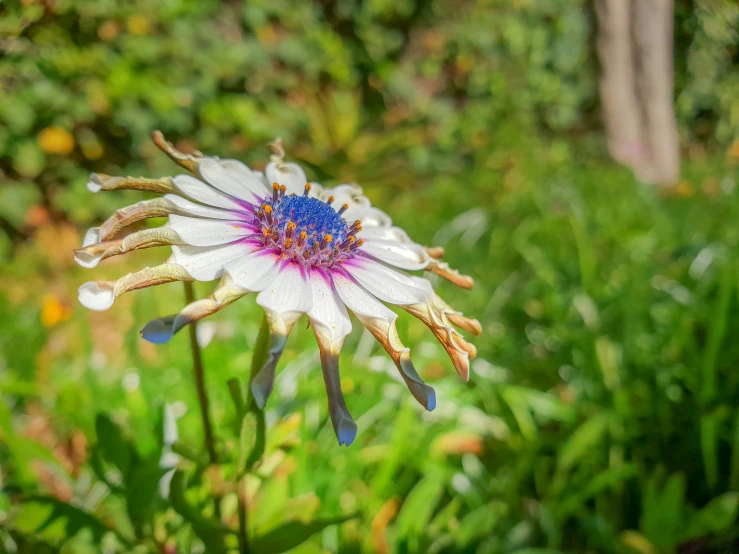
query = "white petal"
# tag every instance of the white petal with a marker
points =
(406, 256)
(289, 174)
(385, 283)
(352, 196)
(254, 272)
(289, 295)
(316, 190)
(92, 236)
(94, 297)
(206, 263)
(376, 218)
(262, 178)
(358, 300)
(202, 192)
(328, 314)
(208, 232)
(395, 234)
(199, 210)
(234, 178)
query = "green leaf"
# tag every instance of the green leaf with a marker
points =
(663, 512)
(190, 453)
(715, 517)
(74, 519)
(479, 523)
(419, 505)
(142, 491)
(113, 445)
(211, 532)
(292, 534)
(582, 441)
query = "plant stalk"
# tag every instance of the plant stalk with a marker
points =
(199, 376)
(261, 349)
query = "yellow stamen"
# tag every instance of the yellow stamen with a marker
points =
(267, 209)
(275, 186)
(327, 238)
(330, 200)
(291, 227)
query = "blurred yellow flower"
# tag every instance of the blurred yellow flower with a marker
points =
(53, 311)
(55, 140)
(108, 31)
(684, 188)
(733, 153)
(138, 25)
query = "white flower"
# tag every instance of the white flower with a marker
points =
(302, 248)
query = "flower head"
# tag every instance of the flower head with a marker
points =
(302, 248)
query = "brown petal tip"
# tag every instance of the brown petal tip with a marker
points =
(443, 270)
(436, 252)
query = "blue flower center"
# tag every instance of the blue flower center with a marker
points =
(313, 216)
(306, 229)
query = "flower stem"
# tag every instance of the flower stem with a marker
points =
(243, 518)
(199, 376)
(261, 349)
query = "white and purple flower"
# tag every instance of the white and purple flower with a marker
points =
(302, 248)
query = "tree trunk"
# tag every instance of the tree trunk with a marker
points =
(653, 33)
(636, 86)
(621, 112)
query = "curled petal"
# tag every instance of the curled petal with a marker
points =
(101, 181)
(205, 263)
(341, 419)
(100, 295)
(202, 192)
(380, 321)
(289, 174)
(410, 256)
(264, 380)
(158, 207)
(457, 348)
(188, 161)
(90, 256)
(186, 207)
(444, 312)
(208, 232)
(233, 178)
(470, 325)
(161, 330)
(436, 252)
(443, 270)
(284, 301)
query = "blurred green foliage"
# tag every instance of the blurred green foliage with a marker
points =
(602, 411)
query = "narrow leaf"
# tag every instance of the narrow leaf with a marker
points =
(292, 534)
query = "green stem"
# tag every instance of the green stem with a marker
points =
(243, 518)
(199, 376)
(259, 357)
